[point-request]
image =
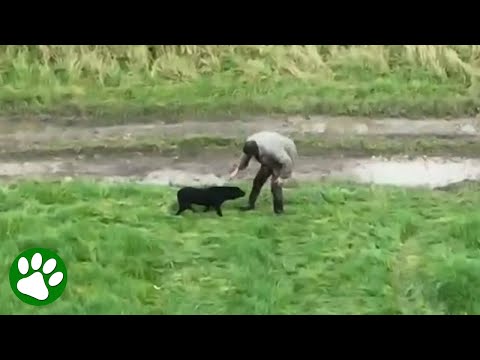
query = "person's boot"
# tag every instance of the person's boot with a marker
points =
(258, 183)
(277, 206)
(252, 199)
(277, 195)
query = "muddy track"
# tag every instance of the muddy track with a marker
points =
(36, 131)
(213, 169)
(30, 145)
(315, 136)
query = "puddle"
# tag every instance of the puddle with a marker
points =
(211, 170)
(429, 172)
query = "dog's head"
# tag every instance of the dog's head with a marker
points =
(233, 192)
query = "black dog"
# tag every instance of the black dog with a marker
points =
(213, 196)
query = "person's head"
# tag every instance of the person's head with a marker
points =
(250, 148)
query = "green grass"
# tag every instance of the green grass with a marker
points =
(217, 81)
(369, 250)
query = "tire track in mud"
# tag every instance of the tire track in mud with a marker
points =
(29, 132)
(213, 170)
(211, 167)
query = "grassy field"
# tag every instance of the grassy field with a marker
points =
(369, 250)
(126, 81)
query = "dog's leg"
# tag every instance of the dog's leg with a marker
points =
(184, 206)
(181, 208)
(218, 209)
(206, 208)
(258, 182)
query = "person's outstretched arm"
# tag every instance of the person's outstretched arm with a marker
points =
(244, 161)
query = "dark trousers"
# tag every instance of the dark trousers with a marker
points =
(260, 179)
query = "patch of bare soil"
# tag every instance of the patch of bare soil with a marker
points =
(32, 133)
(213, 169)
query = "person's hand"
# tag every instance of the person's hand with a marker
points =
(233, 173)
(278, 180)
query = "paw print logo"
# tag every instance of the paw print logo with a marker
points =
(38, 276)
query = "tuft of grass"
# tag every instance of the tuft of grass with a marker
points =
(220, 80)
(368, 250)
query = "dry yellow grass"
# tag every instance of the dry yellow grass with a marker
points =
(182, 62)
(383, 80)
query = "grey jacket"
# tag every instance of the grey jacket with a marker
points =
(276, 151)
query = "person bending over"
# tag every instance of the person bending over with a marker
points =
(276, 154)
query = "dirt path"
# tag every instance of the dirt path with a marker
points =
(210, 167)
(35, 131)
